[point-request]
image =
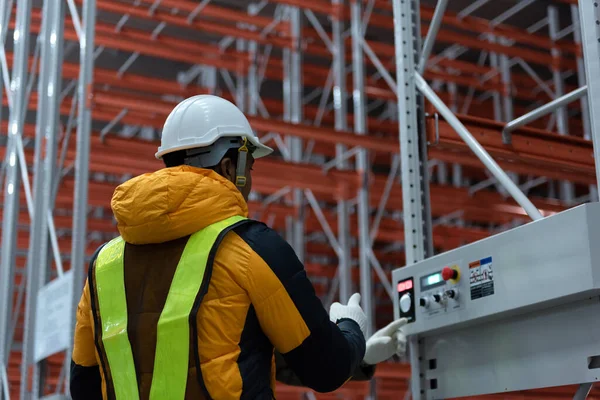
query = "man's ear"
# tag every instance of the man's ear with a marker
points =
(227, 169)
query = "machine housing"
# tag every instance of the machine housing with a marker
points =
(521, 313)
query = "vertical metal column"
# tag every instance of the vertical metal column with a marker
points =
(589, 14)
(340, 105)
(585, 116)
(5, 14)
(559, 86)
(507, 103)
(12, 181)
(415, 179)
(456, 168)
(494, 63)
(567, 190)
(296, 117)
(507, 100)
(253, 86)
(404, 38)
(360, 128)
(49, 84)
(84, 126)
(503, 107)
(585, 113)
(9, 228)
(287, 112)
(253, 91)
(240, 87)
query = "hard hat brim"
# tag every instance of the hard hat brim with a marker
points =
(261, 149)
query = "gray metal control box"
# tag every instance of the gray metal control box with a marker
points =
(515, 311)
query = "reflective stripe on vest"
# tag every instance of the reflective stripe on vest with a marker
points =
(169, 376)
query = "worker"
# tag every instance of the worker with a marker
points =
(193, 298)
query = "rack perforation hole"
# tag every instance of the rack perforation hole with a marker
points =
(433, 363)
(593, 362)
(433, 384)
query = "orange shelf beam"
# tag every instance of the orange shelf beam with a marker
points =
(547, 154)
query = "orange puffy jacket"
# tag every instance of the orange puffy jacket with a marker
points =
(259, 298)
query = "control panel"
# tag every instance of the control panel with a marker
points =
(535, 266)
(439, 293)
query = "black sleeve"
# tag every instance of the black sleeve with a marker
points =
(284, 374)
(85, 382)
(364, 372)
(326, 359)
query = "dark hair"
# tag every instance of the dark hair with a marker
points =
(177, 158)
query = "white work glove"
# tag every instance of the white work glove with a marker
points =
(351, 311)
(386, 342)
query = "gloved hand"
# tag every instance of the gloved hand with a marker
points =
(386, 342)
(351, 311)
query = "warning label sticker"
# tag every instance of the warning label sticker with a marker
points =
(481, 278)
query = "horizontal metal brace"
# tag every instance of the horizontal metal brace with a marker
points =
(127, 64)
(431, 34)
(282, 147)
(482, 185)
(312, 200)
(346, 155)
(541, 111)
(75, 17)
(226, 42)
(530, 184)
(479, 151)
(122, 22)
(159, 28)
(320, 31)
(448, 218)
(566, 31)
(380, 67)
(197, 11)
(269, 28)
(275, 196)
(534, 76)
(471, 8)
(112, 123)
(153, 7)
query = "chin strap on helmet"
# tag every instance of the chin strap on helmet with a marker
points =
(240, 173)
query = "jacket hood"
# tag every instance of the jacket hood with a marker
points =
(172, 203)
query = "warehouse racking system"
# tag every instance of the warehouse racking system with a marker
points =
(330, 85)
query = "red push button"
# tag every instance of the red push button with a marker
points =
(449, 273)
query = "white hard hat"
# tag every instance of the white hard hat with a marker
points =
(200, 121)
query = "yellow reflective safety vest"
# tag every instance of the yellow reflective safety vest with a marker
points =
(189, 284)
